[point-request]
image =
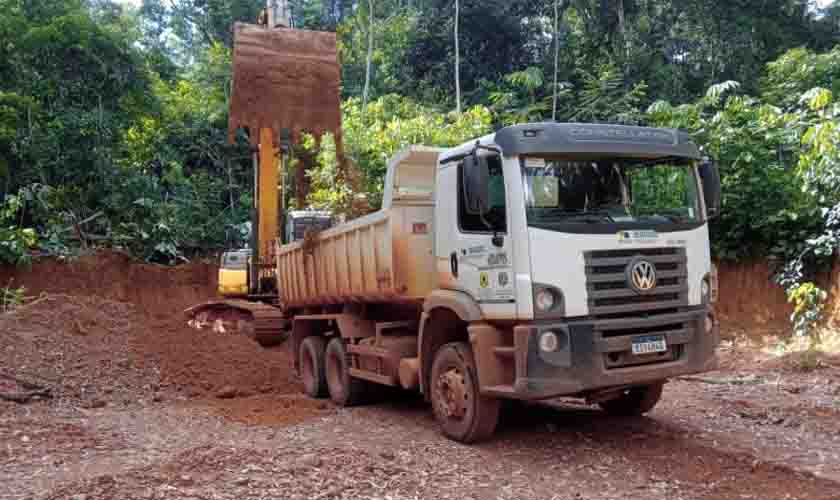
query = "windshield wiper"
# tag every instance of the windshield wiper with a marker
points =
(599, 211)
(585, 215)
(673, 216)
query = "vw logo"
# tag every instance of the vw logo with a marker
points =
(642, 275)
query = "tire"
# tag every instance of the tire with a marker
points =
(344, 390)
(464, 415)
(634, 401)
(311, 363)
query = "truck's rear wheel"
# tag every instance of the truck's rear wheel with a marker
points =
(311, 362)
(462, 412)
(344, 390)
(634, 401)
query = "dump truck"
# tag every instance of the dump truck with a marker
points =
(545, 260)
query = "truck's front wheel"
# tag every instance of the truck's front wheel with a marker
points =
(634, 401)
(311, 363)
(462, 412)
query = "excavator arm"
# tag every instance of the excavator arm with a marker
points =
(285, 82)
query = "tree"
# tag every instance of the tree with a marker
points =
(499, 37)
(457, 57)
(369, 55)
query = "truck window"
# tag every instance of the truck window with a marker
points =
(662, 189)
(496, 218)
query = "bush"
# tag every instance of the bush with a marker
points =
(10, 298)
(15, 241)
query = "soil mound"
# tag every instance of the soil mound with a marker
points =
(99, 351)
(203, 362)
(153, 289)
(79, 347)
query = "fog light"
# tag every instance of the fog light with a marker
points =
(549, 342)
(545, 300)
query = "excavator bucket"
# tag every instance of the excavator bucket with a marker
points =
(284, 79)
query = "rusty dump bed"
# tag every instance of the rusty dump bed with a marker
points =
(264, 323)
(284, 79)
(387, 256)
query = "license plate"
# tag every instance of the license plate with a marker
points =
(649, 344)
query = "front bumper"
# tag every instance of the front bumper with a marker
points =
(596, 354)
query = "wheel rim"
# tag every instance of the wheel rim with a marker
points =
(452, 399)
(335, 381)
(307, 371)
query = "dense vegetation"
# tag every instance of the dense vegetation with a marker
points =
(113, 115)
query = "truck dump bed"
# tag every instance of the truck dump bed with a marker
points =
(387, 256)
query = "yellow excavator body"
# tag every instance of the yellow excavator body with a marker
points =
(233, 274)
(233, 282)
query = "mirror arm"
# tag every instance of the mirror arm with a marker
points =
(478, 146)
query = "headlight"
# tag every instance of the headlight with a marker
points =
(545, 300)
(708, 287)
(709, 324)
(549, 342)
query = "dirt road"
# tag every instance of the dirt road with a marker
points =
(145, 408)
(747, 437)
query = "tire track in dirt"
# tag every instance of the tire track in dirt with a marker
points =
(184, 449)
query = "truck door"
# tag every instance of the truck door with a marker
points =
(480, 260)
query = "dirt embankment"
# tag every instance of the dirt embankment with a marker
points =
(155, 290)
(750, 299)
(747, 295)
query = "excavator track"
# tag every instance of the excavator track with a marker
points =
(264, 323)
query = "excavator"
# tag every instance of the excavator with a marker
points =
(286, 82)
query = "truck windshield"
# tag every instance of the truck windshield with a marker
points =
(630, 193)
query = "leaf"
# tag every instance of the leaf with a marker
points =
(717, 91)
(817, 98)
(144, 202)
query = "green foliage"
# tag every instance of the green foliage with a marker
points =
(798, 71)
(113, 120)
(393, 35)
(15, 241)
(11, 298)
(763, 212)
(375, 133)
(117, 154)
(604, 97)
(808, 303)
(819, 171)
(519, 97)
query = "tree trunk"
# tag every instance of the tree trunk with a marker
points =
(622, 29)
(457, 58)
(556, 56)
(366, 92)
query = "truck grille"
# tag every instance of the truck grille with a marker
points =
(610, 295)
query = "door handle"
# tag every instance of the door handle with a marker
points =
(453, 264)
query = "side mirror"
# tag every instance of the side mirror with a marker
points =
(710, 177)
(475, 180)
